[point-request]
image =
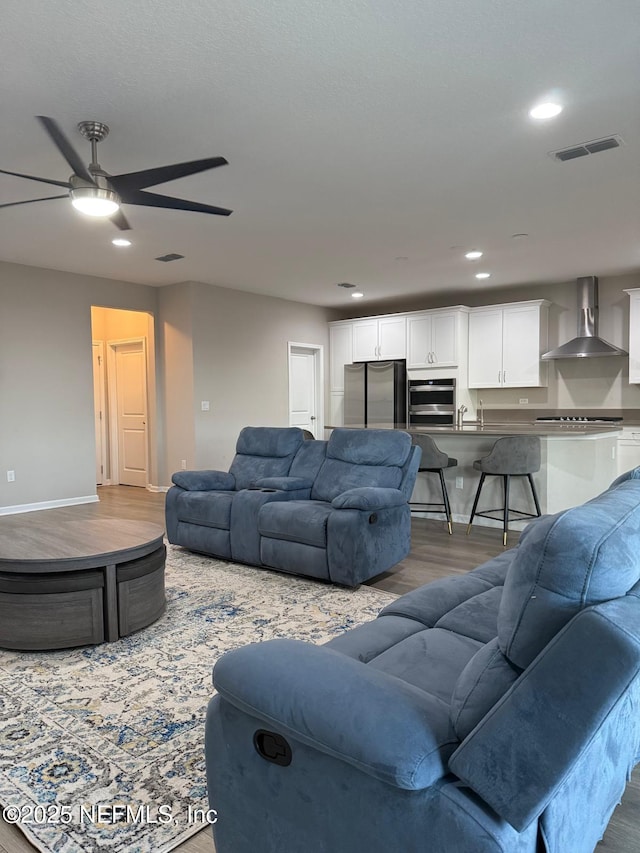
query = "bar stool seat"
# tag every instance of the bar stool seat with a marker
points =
(433, 461)
(513, 456)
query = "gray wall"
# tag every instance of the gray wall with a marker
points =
(211, 344)
(46, 382)
(240, 364)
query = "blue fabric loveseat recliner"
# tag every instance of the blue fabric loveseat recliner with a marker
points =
(336, 510)
(493, 711)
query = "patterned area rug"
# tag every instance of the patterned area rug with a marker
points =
(101, 748)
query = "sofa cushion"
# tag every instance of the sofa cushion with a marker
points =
(308, 459)
(369, 447)
(431, 660)
(567, 562)
(477, 617)
(336, 477)
(357, 458)
(483, 681)
(201, 481)
(209, 509)
(368, 498)
(296, 521)
(264, 452)
(269, 441)
(435, 600)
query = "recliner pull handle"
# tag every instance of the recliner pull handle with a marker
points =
(272, 747)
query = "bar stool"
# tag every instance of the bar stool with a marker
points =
(514, 456)
(433, 461)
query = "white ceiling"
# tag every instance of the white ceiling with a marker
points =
(369, 141)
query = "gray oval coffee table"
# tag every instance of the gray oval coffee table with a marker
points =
(75, 583)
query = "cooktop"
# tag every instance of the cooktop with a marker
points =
(597, 419)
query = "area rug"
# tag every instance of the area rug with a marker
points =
(101, 748)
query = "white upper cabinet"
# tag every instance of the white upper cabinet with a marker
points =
(433, 339)
(340, 353)
(380, 338)
(634, 335)
(505, 345)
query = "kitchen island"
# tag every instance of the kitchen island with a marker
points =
(578, 461)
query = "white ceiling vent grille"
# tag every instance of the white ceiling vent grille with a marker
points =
(585, 148)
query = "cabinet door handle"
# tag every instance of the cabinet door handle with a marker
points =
(499, 377)
(504, 377)
(435, 358)
(428, 358)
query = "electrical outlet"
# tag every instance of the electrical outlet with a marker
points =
(183, 464)
(523, 401)
(11, 476)
(459, 482)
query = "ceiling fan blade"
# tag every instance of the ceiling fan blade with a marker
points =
(150, 177)
(33, 200)
(155, 200)
(33, 178)
(66, 148)
(120, 221)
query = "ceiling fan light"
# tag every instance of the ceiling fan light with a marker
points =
(95, 201)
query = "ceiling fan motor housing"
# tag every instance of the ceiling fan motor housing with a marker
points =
(94, 131)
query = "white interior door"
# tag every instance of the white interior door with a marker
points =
(99, 411)
(305, 388)
(130, 375)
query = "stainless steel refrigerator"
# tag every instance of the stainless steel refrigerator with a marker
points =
(375, 394)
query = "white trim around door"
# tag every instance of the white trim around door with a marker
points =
(306, 386)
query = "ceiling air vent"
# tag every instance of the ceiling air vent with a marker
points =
(585, 148)
(172, 257)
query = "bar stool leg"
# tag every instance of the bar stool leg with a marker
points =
(534, 493)
(445, 498)
(475, 503)
(506, 510)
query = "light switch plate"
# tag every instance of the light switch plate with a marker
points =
(204, 405)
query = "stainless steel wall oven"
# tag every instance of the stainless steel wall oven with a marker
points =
(432, 402)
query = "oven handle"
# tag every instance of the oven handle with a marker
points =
(413, 388)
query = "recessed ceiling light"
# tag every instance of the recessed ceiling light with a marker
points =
(483, 274)
(546, 110)
(120, 241)
(357, 294)
(473, 256)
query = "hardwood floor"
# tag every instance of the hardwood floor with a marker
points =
(434, 554)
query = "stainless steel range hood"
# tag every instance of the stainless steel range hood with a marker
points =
(587, 344)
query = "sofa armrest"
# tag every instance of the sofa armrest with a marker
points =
(204, 481)
(369, 498)
(283, 484)
(376, 722)
(522, 751)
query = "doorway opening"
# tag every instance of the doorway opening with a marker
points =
(306, 387)
(124, 397)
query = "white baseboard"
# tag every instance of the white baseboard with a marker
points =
(157, 489)
(17, 508)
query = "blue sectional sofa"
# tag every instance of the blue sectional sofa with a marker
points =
(493, 711)
(336, 510)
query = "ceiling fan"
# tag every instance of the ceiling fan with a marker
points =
(97, 193)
